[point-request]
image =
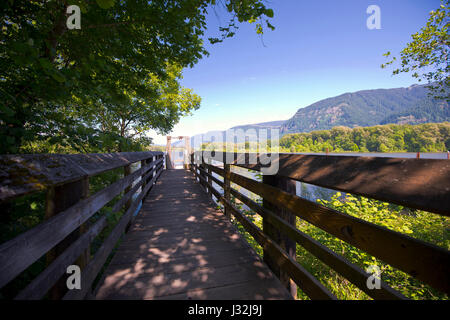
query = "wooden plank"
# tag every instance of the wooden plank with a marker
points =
(181, 263)
(415, 183)
(42, 283)
(172, 254)
(19, 253)
(129, 257)
(176, 283)
(169, 163)
(58, 199)
(187, 146)
(249, 290)
(227, 187)
(278, 235)
(394, 248)
(338, 263)
(24, 174)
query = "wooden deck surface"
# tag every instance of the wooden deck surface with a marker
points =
(181, 247)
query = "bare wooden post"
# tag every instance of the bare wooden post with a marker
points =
(58, 199)
(187, 145)
(83, 260)
(169, 164)
(283, 240)
(126, 172)
(191, 165)
(209, 179)
(227, 186)
(202, 165)
(152, 159)
(144, 182)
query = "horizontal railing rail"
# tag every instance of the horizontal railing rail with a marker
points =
(415, 183)
(64, 235)
(426, 262)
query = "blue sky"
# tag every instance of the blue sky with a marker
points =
(319, 49)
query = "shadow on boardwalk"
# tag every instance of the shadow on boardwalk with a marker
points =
(181, 247)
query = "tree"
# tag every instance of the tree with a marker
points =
(119, 50)
(130, 116)
(427, 56)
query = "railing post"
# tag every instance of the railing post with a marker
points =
(152, 159)
(144, 182)
(126, 172)
(191, 164)
(201, 173)
(169, 164)
(227, 186)
(58, 199)
(283, 240)
(187, 145)
(83, 260)
(209, 179)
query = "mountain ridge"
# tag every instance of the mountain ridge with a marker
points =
(363, 108)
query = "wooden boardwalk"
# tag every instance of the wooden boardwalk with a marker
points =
(181, 247)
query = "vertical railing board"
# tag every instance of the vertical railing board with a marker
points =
(58, 199)
(274, 233)
(227, 186)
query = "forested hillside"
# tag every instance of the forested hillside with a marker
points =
(429, 137)
(368, 108)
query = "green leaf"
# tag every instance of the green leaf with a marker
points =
(58, 76)
(105, 4)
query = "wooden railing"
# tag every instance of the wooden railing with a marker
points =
(65, 236)
(421, 184)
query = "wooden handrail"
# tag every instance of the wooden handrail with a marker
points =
(50, 171)
(27, 173)
(415, 183)
(397, 249)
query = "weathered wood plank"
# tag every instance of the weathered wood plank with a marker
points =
(152, 286)
(42, 283)
(278, 235)
(249, 290)
(193, 247)
(58, 199)
(23, 174)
